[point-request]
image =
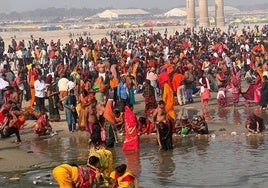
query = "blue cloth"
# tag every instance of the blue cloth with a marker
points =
(122, 91)
(71, 116)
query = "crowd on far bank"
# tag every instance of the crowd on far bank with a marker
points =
(96, 82)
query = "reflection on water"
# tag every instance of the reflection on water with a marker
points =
(223, 161)
(132, 159)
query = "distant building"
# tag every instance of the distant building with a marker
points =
(176, 12)
(123, 14)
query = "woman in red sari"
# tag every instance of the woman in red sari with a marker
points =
(236, 85)
(253, 92)
(131, 142)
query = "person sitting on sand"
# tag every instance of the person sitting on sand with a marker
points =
(10, 125)
(42, 125)
(255, 124)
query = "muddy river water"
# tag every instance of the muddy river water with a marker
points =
(223, 160)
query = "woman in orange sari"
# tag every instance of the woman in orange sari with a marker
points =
(168, 98)
(131, 142)
(84, 101)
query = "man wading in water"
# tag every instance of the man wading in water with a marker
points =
(163, 127)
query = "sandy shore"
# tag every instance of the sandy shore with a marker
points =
(95, 34)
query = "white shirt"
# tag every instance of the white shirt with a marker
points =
(62, 84)
(70, 85)
(39, 87)
(3, 83)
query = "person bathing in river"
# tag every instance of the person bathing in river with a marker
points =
(163, 124)
(255, 124)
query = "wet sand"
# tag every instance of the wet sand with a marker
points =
(18, 157)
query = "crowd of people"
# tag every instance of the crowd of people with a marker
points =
(96, 82)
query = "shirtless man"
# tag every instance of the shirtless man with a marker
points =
(160, 115)
(92, 115)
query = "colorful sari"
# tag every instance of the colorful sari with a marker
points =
(54, 114)
(109, 123)
(82, 118)
(131, 142)
(66, 175)
(32, 77)
(127, 180)
(100, 85)
(236, 85)
(149, 98)
(106, 160)
(253, 92)
(168, 98)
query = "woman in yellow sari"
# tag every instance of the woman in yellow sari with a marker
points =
(123, 178)
(71, 175)
(106, 160)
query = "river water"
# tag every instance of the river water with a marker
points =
(220, 161)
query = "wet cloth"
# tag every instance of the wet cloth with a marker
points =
(106, 160)
(168, 98)
(108, 112)
(66, 175)
(125, 181)
(131, 142)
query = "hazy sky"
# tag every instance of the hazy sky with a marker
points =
(25, 5)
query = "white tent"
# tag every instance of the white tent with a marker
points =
(116, 13)
(176, 12)
(108, 14)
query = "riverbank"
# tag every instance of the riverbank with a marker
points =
(225, 122)
(222, 121)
